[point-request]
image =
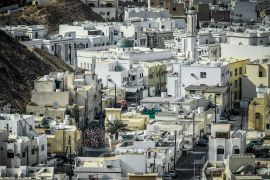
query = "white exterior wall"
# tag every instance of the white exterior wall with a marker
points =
(105, 12)
(228, 145)
(42, 148)
(151, 56)
(244, 52)
(173, 86)
(16, 125)
(80, 31)
(190, 75)
(138, 164)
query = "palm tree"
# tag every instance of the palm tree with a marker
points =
(115, 127)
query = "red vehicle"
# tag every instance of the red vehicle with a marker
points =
(121, 104)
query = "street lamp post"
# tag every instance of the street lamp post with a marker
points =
(193, 144)
(215, 109)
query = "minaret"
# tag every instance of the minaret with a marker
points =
(191, 32)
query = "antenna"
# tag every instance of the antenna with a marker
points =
(55, 105)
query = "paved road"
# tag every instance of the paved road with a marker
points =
(185, 164)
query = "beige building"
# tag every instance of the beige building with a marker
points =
(237, 70)
(258, 114)
(135, 121)
(55, 95)
(154, 75)
(63, 138)
(257, 74)
(221, 93)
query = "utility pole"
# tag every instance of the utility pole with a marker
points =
(215, 109)
(154, 162)
(114, 95)
(174, 159)
(193, 143)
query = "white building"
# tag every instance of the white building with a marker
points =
(21, 125)
(89, 34)
(24, 33)
(108, 9)
(118, 166)
(208, 73)
(224, 142)
(42, 148)
(26, 172)
(24, 125)
(247, 43)
(62, 47)
(21, 151)
(135, 13)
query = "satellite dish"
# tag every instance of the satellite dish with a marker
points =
(22, 175)
(16, 176)
(53, 129)
(262, 171)
(156, 128)
(55, 105)
(249, 170)
(105, 177)
(52, 123)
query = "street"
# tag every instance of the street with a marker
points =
(185, 164)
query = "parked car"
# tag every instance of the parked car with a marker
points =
(166, 176)
(225, 116)
(173, 173)
(202, 142)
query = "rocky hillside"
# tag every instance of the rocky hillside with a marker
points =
(19, 66)
(52, 14)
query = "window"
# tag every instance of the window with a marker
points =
(235, 83)
(236, 151)
(174, 9)
(260, 74)
(203, 74)
(235, 95)
(10, 154)
(32, 151)
(192, 91)
(240, 71)
(42, 147)
(257, 115)
(108, 13)
(230, 73)
(236, 72)
(23, 154)
(267, 126)
(220, 151)
(162, 27)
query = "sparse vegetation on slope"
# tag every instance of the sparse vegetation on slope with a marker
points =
(19, 66)
(52, 14)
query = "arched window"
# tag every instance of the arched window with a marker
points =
(236, 150)
(10, 153)
(220, 150)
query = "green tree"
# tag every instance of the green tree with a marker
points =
(115, 127)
